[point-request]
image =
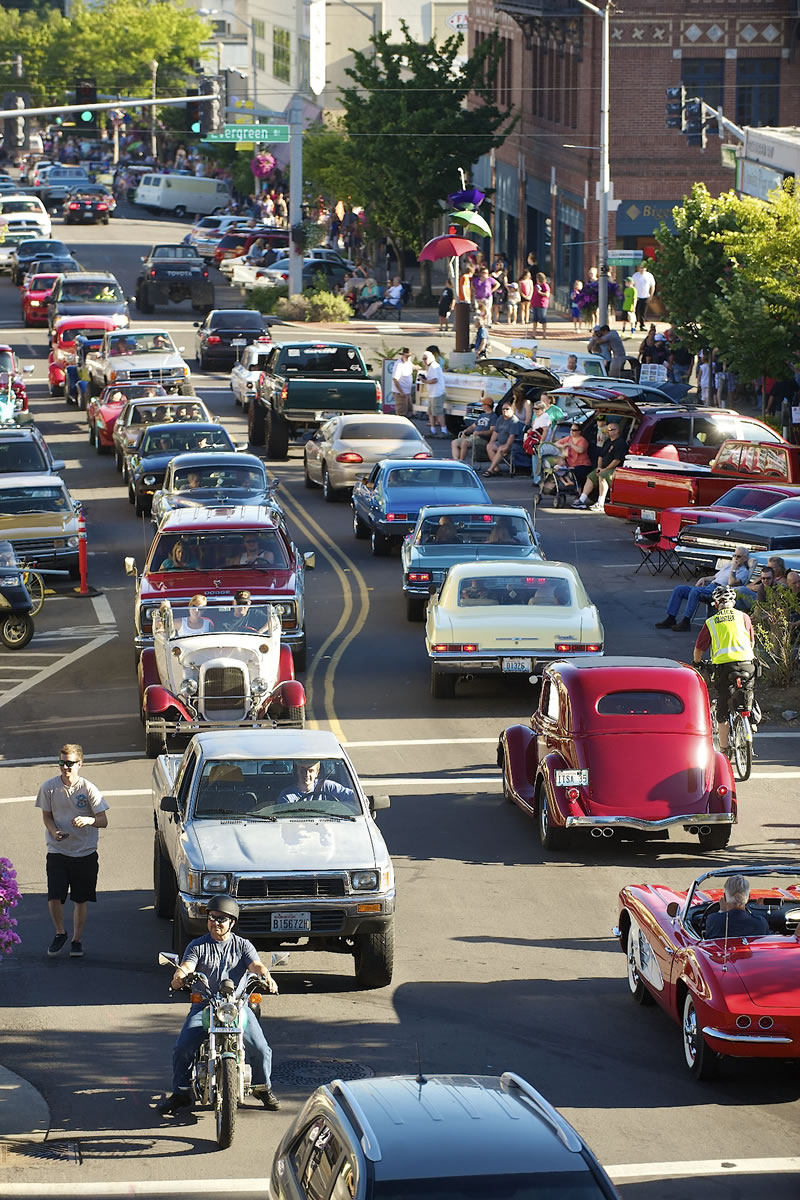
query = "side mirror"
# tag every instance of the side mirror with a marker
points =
(310, 559)
(168, 960)
(59, 464)
(196, 324)
(169, 804)
(673, 908)
(376, 803)
(181, 349)
(130, 566)
(142, 258)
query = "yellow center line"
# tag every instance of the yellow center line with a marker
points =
(347, 627)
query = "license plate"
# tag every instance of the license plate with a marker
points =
(572, 778)
(238, 341)
(649, 514)
(298, 922)
(516, 664)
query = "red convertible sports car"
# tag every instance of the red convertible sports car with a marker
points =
(620, 747)
(102, 411)
(737, 996)
(35, 294)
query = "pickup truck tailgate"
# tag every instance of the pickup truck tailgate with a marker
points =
(641, 493)
(330, 395)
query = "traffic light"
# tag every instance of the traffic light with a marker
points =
(194, 113)
(454, 231)
(86, 93)
(695, 125)
(210, 114)
(676, 106)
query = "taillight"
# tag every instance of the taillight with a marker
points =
(588, 648)
(722, 791)
(419, 577)
(397, 516)
(213, 340)
(573, 793)
(455, 648)
(562, 647)
(379, 391)
(349, 456)
(593, 647)
(469, 647)
(285, 392)
(152, 272)
(423, 454)
(102, 207)
(205, 272)
(74, 206)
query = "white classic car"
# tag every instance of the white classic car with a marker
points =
(217, 667)
(140, 356)
(507, 618)
(244, 376)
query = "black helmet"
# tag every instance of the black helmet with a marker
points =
(225, 905)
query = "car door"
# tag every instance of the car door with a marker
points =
(171, 824)
(364, 496)
(546, 719)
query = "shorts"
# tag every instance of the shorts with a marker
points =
(477, 445)
(724, 675)
(76, 876)
(576, 312)
(436, 406)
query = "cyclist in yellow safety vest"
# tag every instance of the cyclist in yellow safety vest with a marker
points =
(728, 635)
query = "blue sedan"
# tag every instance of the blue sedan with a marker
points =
(386, 502)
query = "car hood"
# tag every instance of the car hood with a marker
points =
(264, 584)
(290, 843)
(22, 525)
(672, 773)
(768, 970)
(152, 362)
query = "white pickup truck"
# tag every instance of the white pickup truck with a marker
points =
(244, 376)
(277, 820)
(140, 356)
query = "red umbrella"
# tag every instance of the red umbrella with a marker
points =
(445, 247)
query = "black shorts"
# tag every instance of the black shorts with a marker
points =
(724, 675)
(76, 876)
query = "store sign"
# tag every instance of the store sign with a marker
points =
(639, 218)
(458, 21)
(755, 180)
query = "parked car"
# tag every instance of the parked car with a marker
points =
(315, 270)
(102, 411)
(141, 410)
(229, 670)
(210, 480)
(34, 299)
(85, 293)
(238, 240)
(23, 451)
(60, 178)
(775, 529)
(744, 500)
(466, 1137)
(247, 370)
(446, 534)
(653, 715)
(732, 997)
(40, 519)
(218, 564)
(146, 463)
(507, 618)
(206, 232)
(342, 448)
(64, 336)
(224, 333)
(88, 202)
(387, 501)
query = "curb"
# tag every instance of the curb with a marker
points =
(24, 1113)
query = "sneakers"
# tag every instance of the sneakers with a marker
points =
(580, 503)
(174, 1103)
(667, 623)
(267, 1097)
(682, 626)
(57, 945)
(76, 950)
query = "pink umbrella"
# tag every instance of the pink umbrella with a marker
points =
(445, 246)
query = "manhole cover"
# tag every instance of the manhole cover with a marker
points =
(313, 1072)
(30, 1154)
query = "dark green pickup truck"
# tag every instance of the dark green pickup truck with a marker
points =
(304, 383)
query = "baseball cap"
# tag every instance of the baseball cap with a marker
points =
(241, 597)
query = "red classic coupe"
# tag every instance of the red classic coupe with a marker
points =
(35, 294)
(620, 747)
(744, 500)
(62, 346)
(102, 411)
(736, 996)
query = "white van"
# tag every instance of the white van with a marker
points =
(182, 194)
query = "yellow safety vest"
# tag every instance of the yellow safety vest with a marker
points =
(730, 640)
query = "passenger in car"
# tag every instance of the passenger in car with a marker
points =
(733, 918)
(181, 559)
(194, 622)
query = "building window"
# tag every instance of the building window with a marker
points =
(703, 77)
(282, 54)
(757, 82)
(303, 65)
(261, 60)
(504, 73)
(259, 30)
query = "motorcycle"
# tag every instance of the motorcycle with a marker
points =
(221, 1079)
(16, 622)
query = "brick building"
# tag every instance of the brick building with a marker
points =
(741, 54)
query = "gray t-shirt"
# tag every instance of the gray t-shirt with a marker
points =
(220, 960)
(614, 343)
(81, 800)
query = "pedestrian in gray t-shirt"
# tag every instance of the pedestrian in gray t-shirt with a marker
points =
(607, 337)
(73, 810)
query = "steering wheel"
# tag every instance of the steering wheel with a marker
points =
(712, 908)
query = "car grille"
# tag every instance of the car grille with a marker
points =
(289, 887)
(224, 692)
(154, 373)
(256, 924)
(33, 546)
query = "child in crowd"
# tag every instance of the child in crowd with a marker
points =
(446, 302)
(574, 295)
(629, 307)
(512, 304)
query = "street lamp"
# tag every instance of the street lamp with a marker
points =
(154, 79)
(223, 12)
(605, 184)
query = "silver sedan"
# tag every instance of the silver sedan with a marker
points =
(348, 446)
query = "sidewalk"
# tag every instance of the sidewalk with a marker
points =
(24, 1114)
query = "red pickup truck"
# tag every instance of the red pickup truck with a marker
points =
(643, 487)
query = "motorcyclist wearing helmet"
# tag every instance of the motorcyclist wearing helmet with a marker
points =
(219, 954)
(728, 635)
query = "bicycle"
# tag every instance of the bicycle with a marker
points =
(744, 715)
(35, 584)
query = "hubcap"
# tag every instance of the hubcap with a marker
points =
(633, 974)
(15, 629)
(543, 816)
(690, 1033)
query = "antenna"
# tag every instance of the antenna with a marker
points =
(725, 944)
(420, 1077)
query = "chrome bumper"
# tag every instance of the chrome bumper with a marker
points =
(650, 826)
(483, 665)
(747, 1039)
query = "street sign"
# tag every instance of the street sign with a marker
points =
(624, 258)
(256, 133)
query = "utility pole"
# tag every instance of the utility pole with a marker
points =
(605, 172)
(154, 81)
(295, 192)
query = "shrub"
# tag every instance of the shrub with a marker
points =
(777, 628)
(265, 299)
(327, 306)
(292, 308)
(9, 898)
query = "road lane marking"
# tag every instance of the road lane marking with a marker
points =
(102, 610)
(47, 672)
(672, 1170)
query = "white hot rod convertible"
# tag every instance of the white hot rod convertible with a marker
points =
(217, 667)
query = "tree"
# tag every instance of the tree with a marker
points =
(407, 129)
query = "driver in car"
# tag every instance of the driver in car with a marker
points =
(734, 918)
(307, 786)
(243, 619)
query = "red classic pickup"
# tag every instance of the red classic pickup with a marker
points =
(643, 487)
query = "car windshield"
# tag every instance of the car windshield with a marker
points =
(784, 510)
(192, 620)
(545, 591)
(141, 343)
(474, 529)
(278, 789)
(174, 252)
(369, 431)
(323, 360)
(152, 414)
(403, 477)
(198, 478)
(41, 283)
(20, 458)
(14, 502)
(42, 246)
(90, 293)
(746, 497)
(9, 240)
(639, 704)
(67, 336)
(239, 319)
(533, 1185)
(15, 206)
(183, 438)
(244, 550)
(6, 361)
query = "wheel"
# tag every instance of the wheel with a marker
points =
(701, 1060)
(92, 436)
(35, 585)
(381, 546)
(550, 837)
(741, 748)
(99, 446)
(717, 839)
(560, 500)
(300, 654)
(256, 432)
(131, 493)
(54, 389)
(201, 361)
(143, 302)
(329, 493)
(154, 743)
(226, 1101)
(374, 955)
(638, 990)
(359, 528)
(80, 399)
(180, 211)
(415, 608)
(105, 220)
(278, 438)
(164, 885)
(180, 934)
(504, 775)
(307, 480)
(16, 631)
(117, 460)
(443, 686)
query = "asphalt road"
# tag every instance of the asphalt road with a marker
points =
(505, 957)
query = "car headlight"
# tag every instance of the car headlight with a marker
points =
(35, 303)
(72, 542)
(115, 375)
(120, 320)
(258, 686)
(148, 480)
(188, 687)
(364, 881)
(214, 882)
